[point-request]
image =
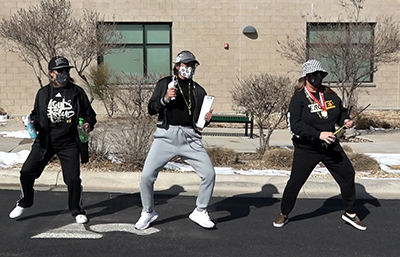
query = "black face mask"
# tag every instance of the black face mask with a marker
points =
(315, 79)
(62, 78)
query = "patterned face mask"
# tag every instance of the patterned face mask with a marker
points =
(62, 79)
(186, 72)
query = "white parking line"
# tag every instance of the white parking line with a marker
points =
(122, 227)
(96, 231)
(69, 231)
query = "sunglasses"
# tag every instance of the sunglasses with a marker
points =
(62, 70)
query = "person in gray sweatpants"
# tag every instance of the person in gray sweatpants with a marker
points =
(177, 100)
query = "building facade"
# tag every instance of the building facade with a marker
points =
(216, 32)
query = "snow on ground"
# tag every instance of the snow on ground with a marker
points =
(385, 161)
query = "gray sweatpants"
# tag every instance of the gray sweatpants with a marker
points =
(185, 143)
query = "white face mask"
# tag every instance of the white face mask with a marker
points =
(186, 72)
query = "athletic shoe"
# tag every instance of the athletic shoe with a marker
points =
(201, 218)
(16, 212)
(281, 221)
(145, 219)
(81, 219)
(355, 221)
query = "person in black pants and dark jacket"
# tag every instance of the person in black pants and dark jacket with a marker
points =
(55, 116)
(313, 113)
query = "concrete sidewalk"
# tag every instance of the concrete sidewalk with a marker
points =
(226, 185)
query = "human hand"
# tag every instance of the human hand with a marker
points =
(87, 127)
(348, 123)
(209, 115)
(327, 137)
(171, 93)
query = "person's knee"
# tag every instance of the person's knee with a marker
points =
(147, 178)
(75, 182)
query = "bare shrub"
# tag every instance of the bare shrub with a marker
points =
(101, 87)
(362, 162)
(347, 149)
(221, 156)
(278, 158)
(365, 122)
(2, 111)
(127, 137)
(265, 98)
(41, 32)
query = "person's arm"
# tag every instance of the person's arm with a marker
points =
(298, 127)
(344, 118)
(158, 101)
(35, 113)
(89, 115)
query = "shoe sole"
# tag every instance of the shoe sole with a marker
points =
(201, 225)
(353, 224)
(148, 223)
(279, 225)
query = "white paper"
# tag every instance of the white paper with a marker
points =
(206, 107)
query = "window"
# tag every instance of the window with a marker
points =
(146, 49)
(345, 49)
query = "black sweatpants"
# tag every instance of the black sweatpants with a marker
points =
(304, 162)
(34, 166)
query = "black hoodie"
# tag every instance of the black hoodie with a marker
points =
(305, 123)
(82, 107)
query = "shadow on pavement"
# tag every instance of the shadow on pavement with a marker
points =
(239, 206)
(43, 214)
(122, 202)
(334, 204)
(116, 203)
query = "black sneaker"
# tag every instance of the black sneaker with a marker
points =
(355, 221)
(281, 221)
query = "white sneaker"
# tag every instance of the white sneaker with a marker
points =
(81, 219)
(145, 219)
(201, 218)
(16, 212)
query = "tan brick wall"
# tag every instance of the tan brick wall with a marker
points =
(203, 26)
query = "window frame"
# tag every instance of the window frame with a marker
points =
(315, 27)
(144, 45)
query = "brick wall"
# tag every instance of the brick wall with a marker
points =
(203, 26)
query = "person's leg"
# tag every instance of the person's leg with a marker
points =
(69, 159)
(31, 170)
(343, 172)
(303, 164)
(162, 150)
(193, 152)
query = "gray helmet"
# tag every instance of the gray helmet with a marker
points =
(186, 57)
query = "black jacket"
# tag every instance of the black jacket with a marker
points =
(306, 125)
(157, 106)
(82, 107)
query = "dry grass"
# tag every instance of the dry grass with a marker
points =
(278, 158)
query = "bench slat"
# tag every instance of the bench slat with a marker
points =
(230, 118)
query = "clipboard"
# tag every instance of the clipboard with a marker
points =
(206, 107)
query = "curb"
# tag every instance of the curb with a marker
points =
(188, 184)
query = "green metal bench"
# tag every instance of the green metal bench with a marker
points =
(235, 119)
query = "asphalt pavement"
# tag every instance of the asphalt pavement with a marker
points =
(226, 185)
(243, 208)
(243, 227)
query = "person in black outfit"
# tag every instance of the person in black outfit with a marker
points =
(313, 113)
(57, 109)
